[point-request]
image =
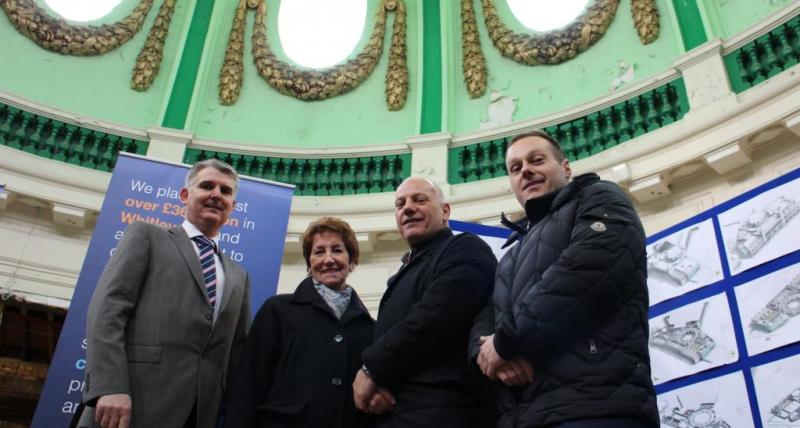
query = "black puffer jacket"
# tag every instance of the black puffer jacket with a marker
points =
(571, 297)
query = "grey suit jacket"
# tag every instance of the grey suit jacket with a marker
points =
(150, 331)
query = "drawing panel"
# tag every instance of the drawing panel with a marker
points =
(770, 310)
(716, 403)
(691, 339)
(763, 228)
(682, 262)
(778, 390)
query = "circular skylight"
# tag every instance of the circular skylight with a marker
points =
(82, 10)
(546, 15)
(320, 33)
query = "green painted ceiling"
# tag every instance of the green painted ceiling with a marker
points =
(185, 95)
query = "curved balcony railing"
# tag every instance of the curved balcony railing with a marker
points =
(765, 56)
(319, 177)
(581, 137)
(61, 141)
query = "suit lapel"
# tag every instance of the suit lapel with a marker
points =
(232, 281)
(186, 249)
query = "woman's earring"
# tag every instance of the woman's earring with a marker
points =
(352, 267)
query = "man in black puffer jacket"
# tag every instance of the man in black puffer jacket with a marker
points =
(567, 334)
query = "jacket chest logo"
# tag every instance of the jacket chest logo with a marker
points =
(598, 226)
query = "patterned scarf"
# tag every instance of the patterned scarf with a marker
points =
(337, 300)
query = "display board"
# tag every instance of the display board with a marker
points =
(725, 312)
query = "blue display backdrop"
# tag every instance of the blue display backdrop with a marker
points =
(725, 311)
(146, 190)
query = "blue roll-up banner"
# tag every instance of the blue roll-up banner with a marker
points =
(147, 190)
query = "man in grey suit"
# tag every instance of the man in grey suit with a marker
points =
(169, 316)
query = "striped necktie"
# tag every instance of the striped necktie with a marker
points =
(208, 266)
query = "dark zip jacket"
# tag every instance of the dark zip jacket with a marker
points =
(571, 297)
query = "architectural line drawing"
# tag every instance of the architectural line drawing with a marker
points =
(780, 309)
(670, 258)
(701, 417)
(688, 342)
(788, 408)
(760, 227)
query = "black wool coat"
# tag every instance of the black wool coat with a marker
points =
(571, 297)
(422, 332)
(299, 364)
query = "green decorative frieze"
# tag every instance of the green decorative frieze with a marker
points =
(581, 137)
(64, 142)
(319, 177)
(765, 56)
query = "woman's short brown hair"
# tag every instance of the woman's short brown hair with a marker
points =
(334, 225)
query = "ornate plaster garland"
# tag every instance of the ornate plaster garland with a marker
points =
(551, 48)
(645, 19)
(148, 62)
(315, 85)
(474, 63)
(59, 36)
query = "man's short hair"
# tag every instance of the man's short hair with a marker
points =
(557, 150)
(436, 189)
(216, 164)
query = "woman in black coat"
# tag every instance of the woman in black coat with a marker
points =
(304, 348)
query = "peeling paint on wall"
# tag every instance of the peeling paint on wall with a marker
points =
(625, 75)
(500, 110)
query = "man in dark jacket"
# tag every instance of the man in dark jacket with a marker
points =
(422, 332)
(568, 341)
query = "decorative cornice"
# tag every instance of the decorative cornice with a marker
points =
(65, 183)
(429, 140)
(653, 153)
(305, 153)
(72, 118)
(169, 135)
(699, 54)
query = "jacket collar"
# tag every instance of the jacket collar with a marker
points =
(306, 294)
(537, 208)
(427, 244)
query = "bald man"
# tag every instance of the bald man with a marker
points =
(416, 373)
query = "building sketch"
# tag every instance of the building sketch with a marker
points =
(788, 408)
(761, 226)
(688, 341)
(781, 308)
(702, 417)
(670, 257)
(720, 402)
